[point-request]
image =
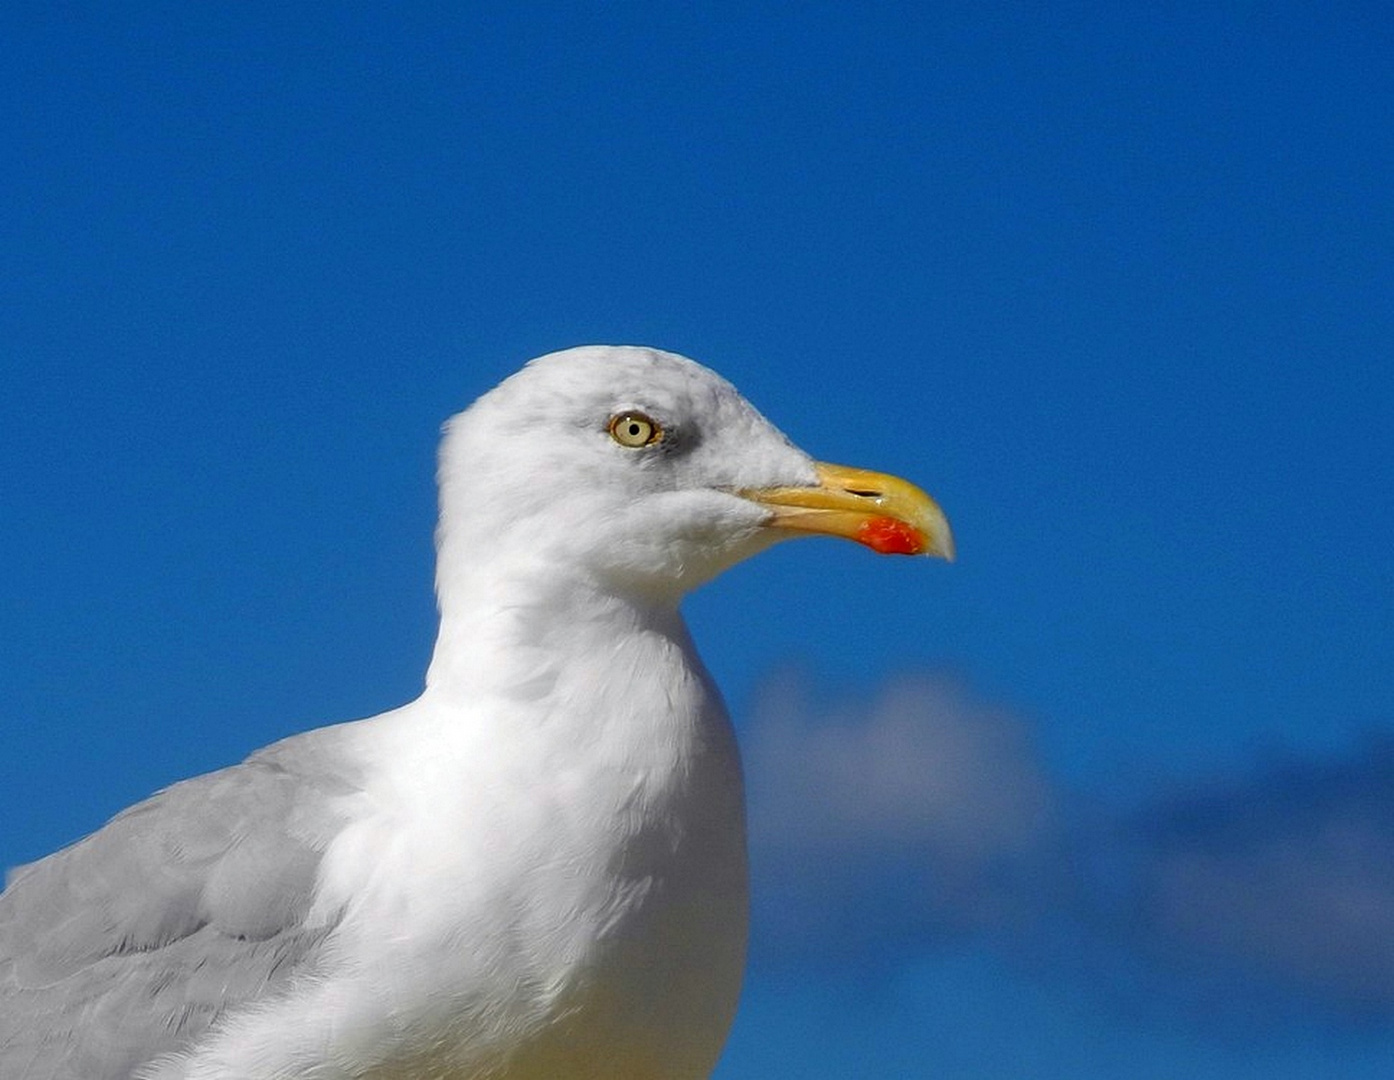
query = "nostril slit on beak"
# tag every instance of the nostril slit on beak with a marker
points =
(865, 493)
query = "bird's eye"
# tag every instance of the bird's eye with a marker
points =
(634, 429)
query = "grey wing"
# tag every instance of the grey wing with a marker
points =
(132, 942)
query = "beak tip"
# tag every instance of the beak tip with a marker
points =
(939, 536)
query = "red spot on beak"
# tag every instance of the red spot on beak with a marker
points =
(887, 536)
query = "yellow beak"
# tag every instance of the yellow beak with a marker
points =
(887, 514)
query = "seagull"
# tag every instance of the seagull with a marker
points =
(534, 871)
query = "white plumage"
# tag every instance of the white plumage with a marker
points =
(537, 868)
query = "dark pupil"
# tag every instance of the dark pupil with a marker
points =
(634, 429)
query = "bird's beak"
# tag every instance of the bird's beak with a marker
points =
(887, 514)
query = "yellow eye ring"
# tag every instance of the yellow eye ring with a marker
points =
(634, 429)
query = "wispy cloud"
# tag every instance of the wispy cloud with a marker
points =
(1287, 874)
(892, 825)
(919, 815)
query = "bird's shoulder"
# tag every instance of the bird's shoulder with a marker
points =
(236, 849)
(136, 938)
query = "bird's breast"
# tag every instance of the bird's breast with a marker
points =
(572, 886)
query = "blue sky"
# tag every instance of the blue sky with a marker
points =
(1113, 795)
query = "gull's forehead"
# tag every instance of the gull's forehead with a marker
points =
(617, 377)
(551, 410)
(618, 367)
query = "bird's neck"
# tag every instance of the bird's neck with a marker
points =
(507, 631)
(582, 678)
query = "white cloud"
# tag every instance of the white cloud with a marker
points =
(885, 826)
(873, 824)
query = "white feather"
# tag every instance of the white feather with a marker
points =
(544, 874)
